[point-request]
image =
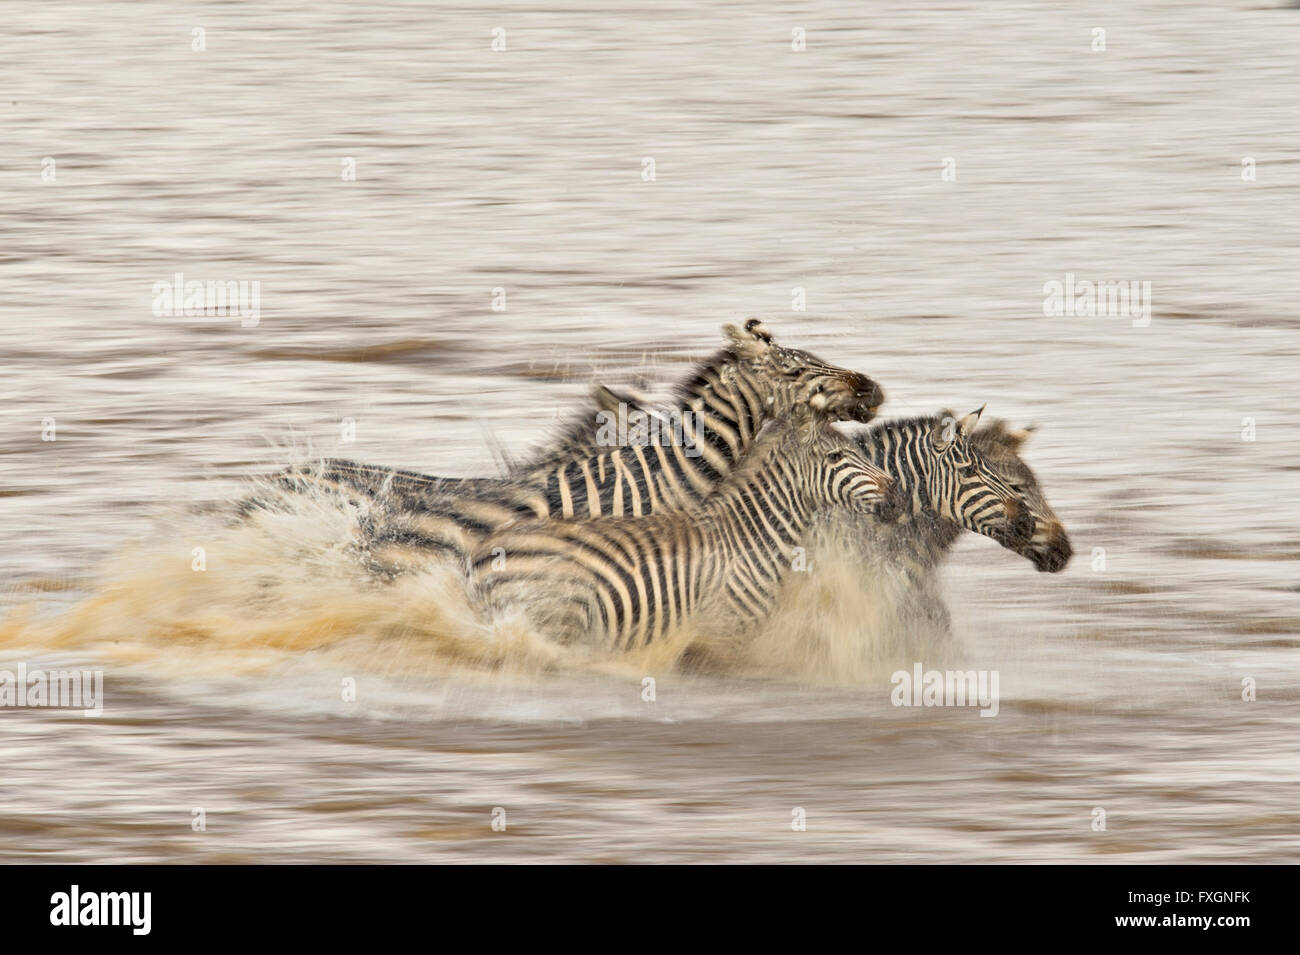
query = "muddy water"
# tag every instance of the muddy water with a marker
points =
(525, 170)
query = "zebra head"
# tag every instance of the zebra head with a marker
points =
(941, 472)
(1049, 548)
(786, 380)
(846, 476)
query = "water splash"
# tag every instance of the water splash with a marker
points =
(240, 590)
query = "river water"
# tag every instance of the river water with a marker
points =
(618, 181)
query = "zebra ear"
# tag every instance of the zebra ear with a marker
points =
(752, 342)
(944, 431)
(1016, 437)
(758, 330)
(967, 424)
(605, 398)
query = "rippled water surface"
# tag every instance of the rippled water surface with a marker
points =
(129, 156)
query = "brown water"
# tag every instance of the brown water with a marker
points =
(1121, 679)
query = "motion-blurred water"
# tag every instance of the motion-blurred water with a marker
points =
(128, 156)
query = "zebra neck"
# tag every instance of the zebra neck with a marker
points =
(889, 449)
(756, 531)
(930, 535)
(728, 413)
(936, 538)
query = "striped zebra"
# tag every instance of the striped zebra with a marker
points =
(885, 582)
(590, 472)
(627, 582)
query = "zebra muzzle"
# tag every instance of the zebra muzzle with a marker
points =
(866, 400)
(1052, 556)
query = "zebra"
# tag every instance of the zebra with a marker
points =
(728, 399)
(945, 476)
(624, 583)
(877, 585)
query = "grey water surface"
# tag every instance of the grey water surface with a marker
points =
(921, 173)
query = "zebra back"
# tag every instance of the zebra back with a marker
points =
(618, 467)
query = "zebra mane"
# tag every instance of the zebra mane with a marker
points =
(1000, 436)
(700, 379)
(997, 433)
(772, 438)
(573, 435)
(907, 424)
(869, 438)
(995, 438)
